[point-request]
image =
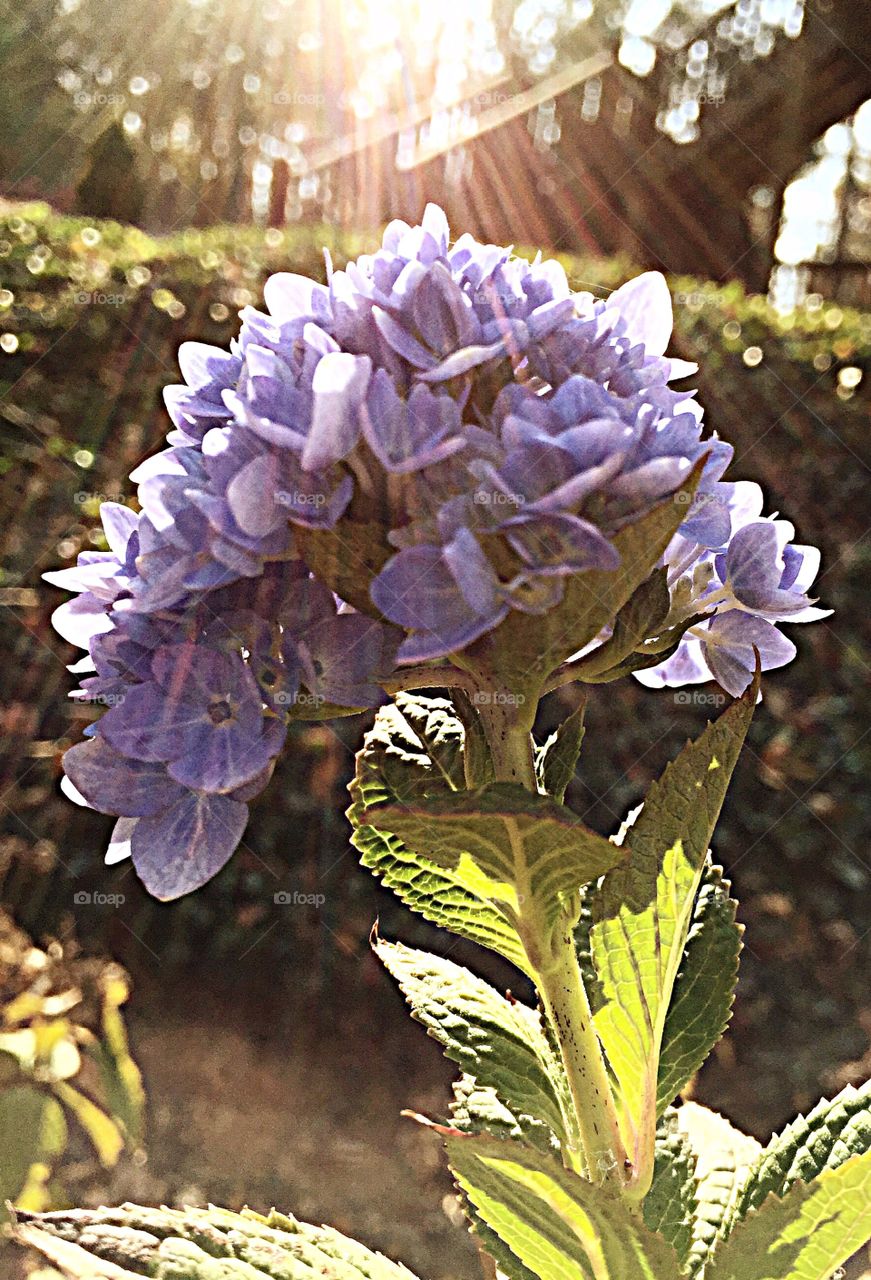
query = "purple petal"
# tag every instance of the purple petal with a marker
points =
(472, 572)
(223, 758)
(309, 499)
(202, 365)
(346, 657)
(148, 723)
(119, 522)
(289, 297)
(452, 635)
(463, 361)
(649, 482)
(406, 435)
(753, 565)
(709, 522)
(251, 497)
(339, 387)
(120, 841)
(416, 589)
(729, 644)
(435, 223)
(112, 784)
(401, 341)
(178, 850)
(100, 578)
(685, 666)
(560, 543)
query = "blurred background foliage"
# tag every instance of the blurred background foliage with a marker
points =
(71, 1096)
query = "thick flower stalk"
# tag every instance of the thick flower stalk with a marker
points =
(380, 472)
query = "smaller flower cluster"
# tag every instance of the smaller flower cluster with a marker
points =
(755, 579)
(199, 696)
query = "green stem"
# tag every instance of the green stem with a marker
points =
(510, 744)
(558, 976)
(564, 997)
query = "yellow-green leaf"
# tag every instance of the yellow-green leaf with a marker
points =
(641, 916)
(724, 1156)
(522, 853)
(498, 1042)
(31, 1133)
(556, 1223)
(394, 768)
(806, 1235)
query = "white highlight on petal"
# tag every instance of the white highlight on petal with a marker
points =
(645, 305)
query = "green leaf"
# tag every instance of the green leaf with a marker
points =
(724, 1156)
(806, 1235)
(704, 990)
(393, 767)
(347, 558)
(31, 1133)
(437, 727)
(641, 918)
(477, 1109)
(557, 1224)
(523, 651)
(521, 852)
(641, 616)
(653, 651)
(830, 1134)
(199, 1244)
(670, 1204)
(106, 1137)
(498, 1042)
(68, 1260)
(10, 1068)
(36, 1192)
(557, 759)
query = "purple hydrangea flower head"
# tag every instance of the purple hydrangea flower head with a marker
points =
(441, 435)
